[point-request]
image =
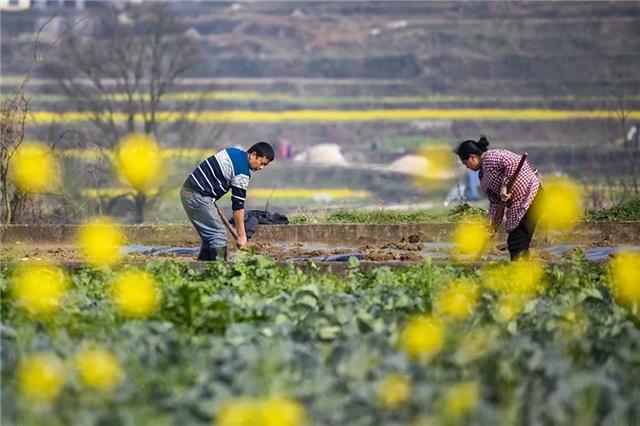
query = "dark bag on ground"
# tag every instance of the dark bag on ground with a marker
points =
(253, 218)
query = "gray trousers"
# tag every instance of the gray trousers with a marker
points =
(204, 217)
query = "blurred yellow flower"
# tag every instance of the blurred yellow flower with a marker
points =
(471, 238)
(625, 278)
(527, 276)
(100, 241)
(422, 337)
(457, 300)
(523, 277)
(239, 412)
(34, 167)
(560, 206)
(139, 161)
(394, 390)
(270, 411)
(497, 278)
(39, 288)
(41, 377)
(509, 306)
(440, 162)
(99, 369)
(461, 399)
(282, 411)
(135, 294)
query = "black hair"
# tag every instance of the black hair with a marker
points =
(262, 149)
(468, 147)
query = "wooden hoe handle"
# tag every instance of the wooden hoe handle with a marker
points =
(503, 204)
(226, 223)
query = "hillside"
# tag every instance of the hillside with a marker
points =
(361, 56)
(463, 48)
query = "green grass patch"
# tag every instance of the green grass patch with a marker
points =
(385, 217)
(629, 210)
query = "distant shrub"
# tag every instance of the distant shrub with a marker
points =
(381, 217)
(465, 211)
(629, 210)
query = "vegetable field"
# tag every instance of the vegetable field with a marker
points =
(254, 343)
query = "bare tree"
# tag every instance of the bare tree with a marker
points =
(121, 67)
(13, 114)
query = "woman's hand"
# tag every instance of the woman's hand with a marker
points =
(504, 196)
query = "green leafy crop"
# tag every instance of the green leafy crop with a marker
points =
(252, 328)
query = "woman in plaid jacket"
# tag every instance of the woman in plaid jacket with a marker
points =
(496, 166)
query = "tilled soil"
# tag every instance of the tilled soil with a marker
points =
(403, 251)
(71, 254)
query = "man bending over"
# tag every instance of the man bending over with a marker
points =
(229, 169)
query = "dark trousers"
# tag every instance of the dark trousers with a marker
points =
(519, 239)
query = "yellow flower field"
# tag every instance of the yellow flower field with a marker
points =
(92, 154)
(256, 193)
(320, 115)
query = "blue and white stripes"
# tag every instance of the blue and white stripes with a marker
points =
(227, 169)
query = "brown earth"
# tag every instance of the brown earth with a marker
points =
(395, 252)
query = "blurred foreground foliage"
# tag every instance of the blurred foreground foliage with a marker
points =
(253, 329)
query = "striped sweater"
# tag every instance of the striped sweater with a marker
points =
(227, 169)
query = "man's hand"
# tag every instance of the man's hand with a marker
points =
(238, 218)
(504, 196)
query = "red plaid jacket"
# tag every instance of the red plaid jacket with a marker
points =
(498, 165)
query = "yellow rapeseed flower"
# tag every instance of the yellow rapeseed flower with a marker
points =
(39, 288)
(239, 412)
(439, 162)
(523, 277)
(34, 167)
(457, 300)
(134, 294)
(282, 411)
(625, 279)
(308, 193)
(98, 369)
(497, 278)
(461, 399)
(41, 377)
(471, 238)
(337, 115)
(100, 241)
(270, 411)
(422, 336)
(527, 276)
(394, 390)
(139, 161)
(560, 206)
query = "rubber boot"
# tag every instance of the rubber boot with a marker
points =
(209, 254)
(219, 253)
(204, 253)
